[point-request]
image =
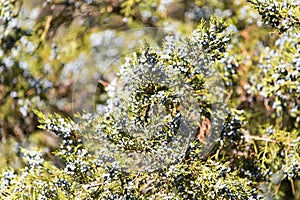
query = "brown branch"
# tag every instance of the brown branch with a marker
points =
(251, 137)
(47, 27)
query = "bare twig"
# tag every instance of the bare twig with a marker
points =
(47, 27)
(266, 139)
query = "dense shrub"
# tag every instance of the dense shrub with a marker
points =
(213, 115)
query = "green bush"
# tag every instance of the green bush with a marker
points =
(214, 115)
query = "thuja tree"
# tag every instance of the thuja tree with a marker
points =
(155, 75)
(248, 149)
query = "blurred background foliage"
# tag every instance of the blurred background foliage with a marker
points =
(43, 45)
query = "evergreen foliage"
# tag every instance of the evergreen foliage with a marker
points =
(230, 90)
